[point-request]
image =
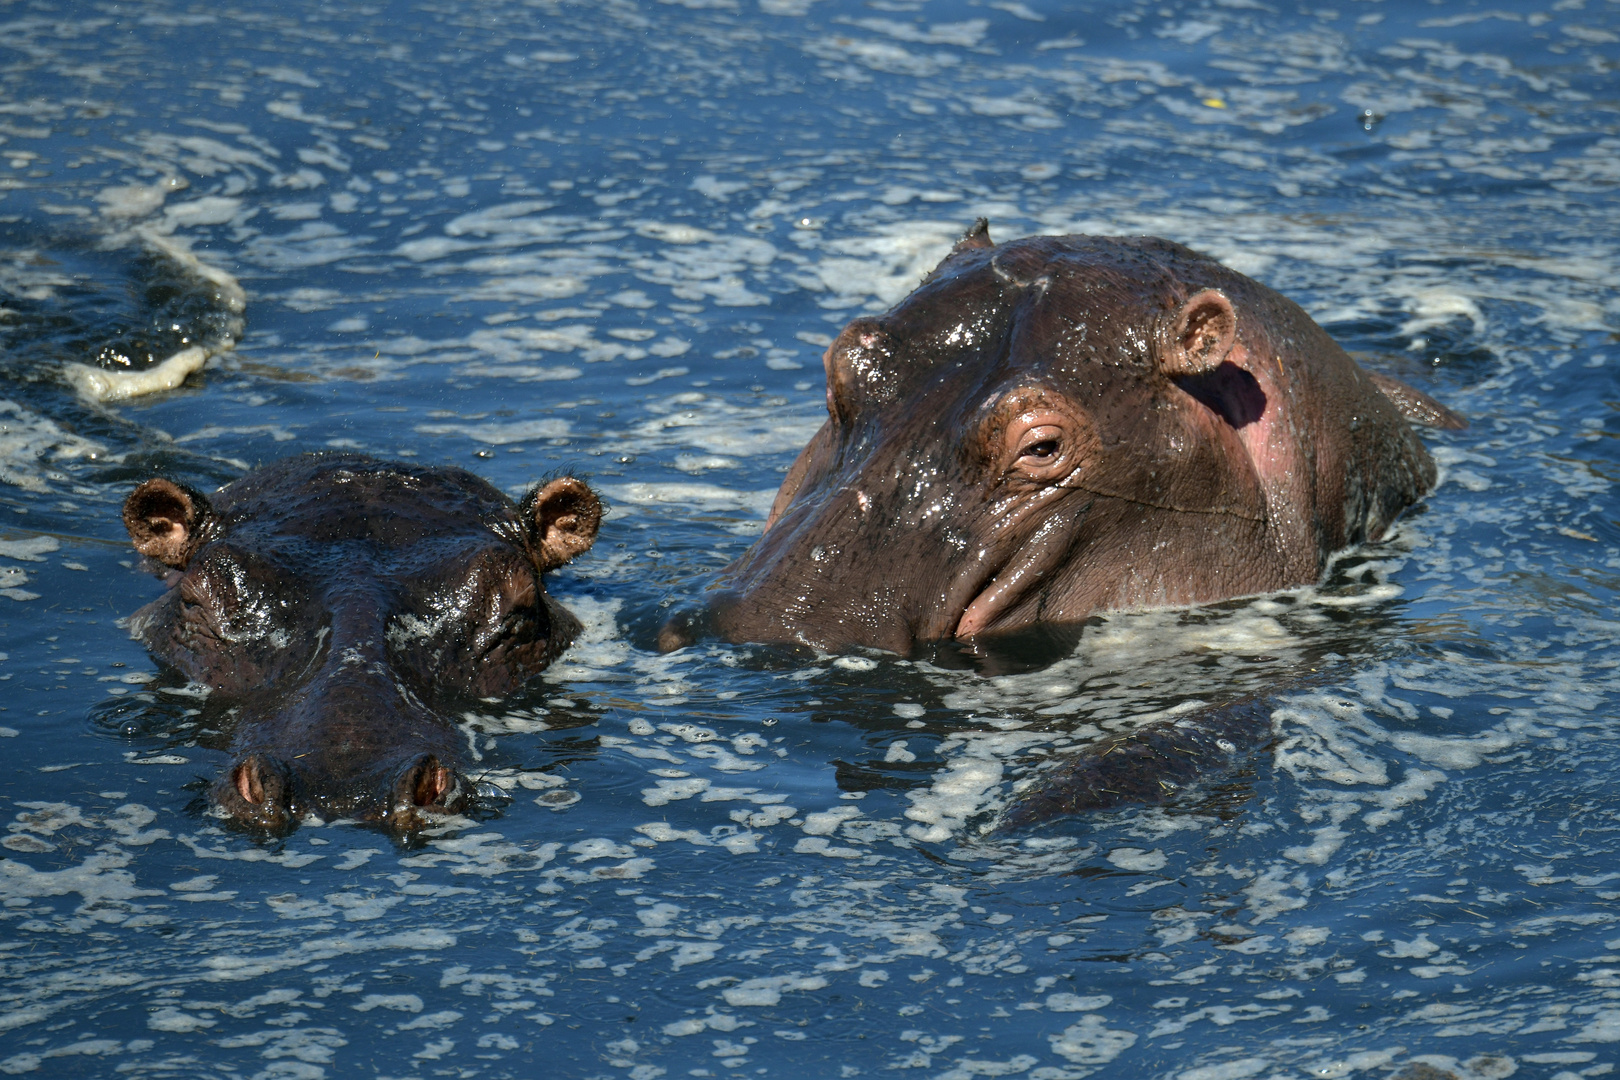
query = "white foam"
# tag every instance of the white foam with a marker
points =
(28, 441)
(716, 270)
(966, 786)
(208, 210)
(231, 968)
(517, 431)
(965, 34)
(99, 878)
(1438, 305)
(599, 649)
(410, 1003)
(767, 991)
(708, 498)
(228, 291)
(882, 266)
(106, 384)
(1078, 1003)
(881, 56)
(1137, 860)
(33, 549)
(1092, 1042)
(175, 1021)
(137, 200)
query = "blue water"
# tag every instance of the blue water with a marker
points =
(613, 238)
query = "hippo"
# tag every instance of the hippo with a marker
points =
(338, 607)
(1060, 426)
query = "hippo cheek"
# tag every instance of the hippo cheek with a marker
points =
(257, 792)
(426, 786)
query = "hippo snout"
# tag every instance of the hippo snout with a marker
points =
(268, 793)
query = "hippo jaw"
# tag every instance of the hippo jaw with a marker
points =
(341, 611)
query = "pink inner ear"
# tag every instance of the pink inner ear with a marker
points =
(566, 517)
(1267, 438)
(1208, 327)
(1206, 332)
(164, 519)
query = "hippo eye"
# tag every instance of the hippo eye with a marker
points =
(1040, 452)
(1039, 446)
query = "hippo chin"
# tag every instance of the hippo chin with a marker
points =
(1065, 425)
(338, 607)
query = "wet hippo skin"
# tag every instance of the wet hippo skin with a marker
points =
(1064, 425)
(338, 607)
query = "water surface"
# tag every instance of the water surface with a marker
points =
(613, 238)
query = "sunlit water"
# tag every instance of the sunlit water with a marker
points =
(613, 238)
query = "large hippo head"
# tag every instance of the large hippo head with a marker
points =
(338, 607)
(1060, 426)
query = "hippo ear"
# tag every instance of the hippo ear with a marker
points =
(561, 520)
(1204, 331)
(977, 236)
(860, 365)
(167, 520)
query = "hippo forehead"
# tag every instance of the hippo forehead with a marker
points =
(1060, 306)
(390, 510)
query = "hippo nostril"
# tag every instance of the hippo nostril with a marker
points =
(249, 783)
(427, 784)
(432, 782)
(260, 781)
(256, 791)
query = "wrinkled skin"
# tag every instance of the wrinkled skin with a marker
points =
(1066, 425)
(338, 608)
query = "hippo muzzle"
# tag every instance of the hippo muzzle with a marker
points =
(266, 792)
(352, 742)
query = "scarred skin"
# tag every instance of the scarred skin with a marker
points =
(1064, 425)
(339, 607)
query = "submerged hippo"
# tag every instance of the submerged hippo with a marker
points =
(1065, 425)
(338, 606)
